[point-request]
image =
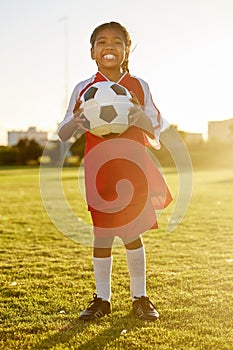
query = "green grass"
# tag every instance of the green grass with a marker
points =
(47, 279)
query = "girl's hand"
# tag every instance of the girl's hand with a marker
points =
(136, 113)
(134, 99)
(79, 121)
(139, 118)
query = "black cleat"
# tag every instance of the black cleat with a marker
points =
(97, 308)
(144, 309)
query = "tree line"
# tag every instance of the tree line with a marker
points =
(29, 152)
(26, 151)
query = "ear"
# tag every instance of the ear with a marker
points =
(92, 54)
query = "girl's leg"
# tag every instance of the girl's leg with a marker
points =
(142, 306)
(135, 244)
(136, 261)
(102, 260)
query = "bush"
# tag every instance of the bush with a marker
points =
(9, 156)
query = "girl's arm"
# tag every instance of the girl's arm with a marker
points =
(153, 114)
(69, 128)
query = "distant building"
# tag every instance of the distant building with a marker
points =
(193, 138)
(39, 136)
(221, 130)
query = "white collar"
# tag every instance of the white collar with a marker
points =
(109, 80)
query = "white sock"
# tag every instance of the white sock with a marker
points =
(137, 269)
(102, 271)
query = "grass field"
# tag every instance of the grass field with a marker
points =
(47, 279)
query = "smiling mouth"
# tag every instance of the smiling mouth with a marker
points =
(109, 57)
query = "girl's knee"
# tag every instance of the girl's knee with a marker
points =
(133, 244)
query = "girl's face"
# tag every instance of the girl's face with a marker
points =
(109, 50)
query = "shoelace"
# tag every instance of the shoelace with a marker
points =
(146, 301)
(92, 302)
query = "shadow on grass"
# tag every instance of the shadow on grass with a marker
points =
(114, 325)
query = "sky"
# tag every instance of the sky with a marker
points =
(182, 48)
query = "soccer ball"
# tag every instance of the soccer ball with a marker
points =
(106, 108)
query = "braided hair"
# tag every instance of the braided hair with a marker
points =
(126, 36)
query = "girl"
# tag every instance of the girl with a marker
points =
(110, 48)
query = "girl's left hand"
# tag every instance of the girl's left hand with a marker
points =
(135, 113)
(138, 117)
(134, 99)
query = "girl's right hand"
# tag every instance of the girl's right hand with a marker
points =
(79, 121)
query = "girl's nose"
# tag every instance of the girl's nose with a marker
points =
(109, 45)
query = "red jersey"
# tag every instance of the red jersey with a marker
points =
(123, 185)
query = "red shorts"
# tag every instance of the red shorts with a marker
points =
(129, 222)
